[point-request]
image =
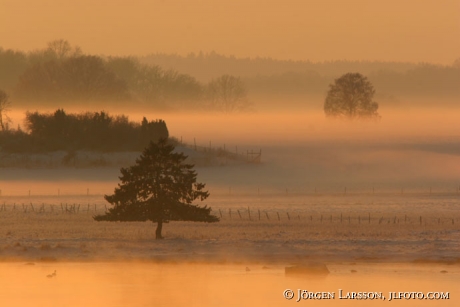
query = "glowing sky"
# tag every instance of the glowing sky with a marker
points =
(317, 30)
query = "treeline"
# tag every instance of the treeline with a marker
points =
(92, 131)
(270, 78)
(62, 74)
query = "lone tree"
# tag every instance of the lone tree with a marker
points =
(351, 97)
(160, 188)
(228, 94)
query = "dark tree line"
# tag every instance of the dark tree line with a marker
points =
(80, 78)
(96, 131)
(62, 74)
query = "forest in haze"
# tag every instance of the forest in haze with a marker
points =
(60, 75)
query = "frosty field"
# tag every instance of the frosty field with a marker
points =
(238, 261)
(270, 229)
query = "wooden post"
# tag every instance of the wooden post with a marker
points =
(279, 219)
(249, 213)
(239, 214)
(289, 218)
(266, 213)
(220, 212)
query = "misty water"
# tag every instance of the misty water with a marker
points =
(162, 284)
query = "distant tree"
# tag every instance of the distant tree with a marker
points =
(4, 108)
(351, 97)
(61, 49)
(228, 94)
(80, 78)
(153, 85)
(159, 188)
(456, 63)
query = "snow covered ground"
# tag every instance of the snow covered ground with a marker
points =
(267, 229)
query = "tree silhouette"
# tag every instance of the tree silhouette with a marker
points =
(228, 94)
(351, 96)
(4, 107)
(160, 188)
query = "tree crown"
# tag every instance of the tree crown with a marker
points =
(351, 96)
(160, 187)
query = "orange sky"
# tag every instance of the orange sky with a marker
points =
(317, 30)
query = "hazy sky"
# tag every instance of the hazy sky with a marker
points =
(317, 30)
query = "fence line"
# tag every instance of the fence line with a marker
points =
(269, 192)
(245, 215)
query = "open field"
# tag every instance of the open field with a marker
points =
(239, 261)
(265, 229)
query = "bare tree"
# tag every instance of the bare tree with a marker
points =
(61, 48)
(228, 94)
(4, 108)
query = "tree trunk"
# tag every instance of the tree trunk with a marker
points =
(158, 231)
